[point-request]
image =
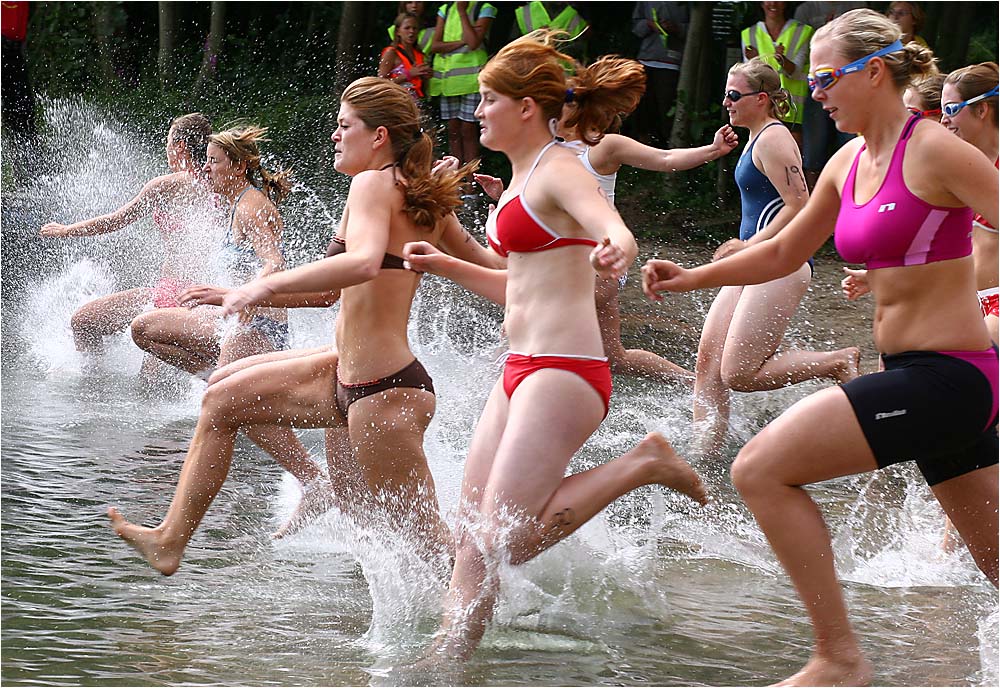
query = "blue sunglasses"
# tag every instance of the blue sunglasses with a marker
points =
(826, 78)
(952, 109)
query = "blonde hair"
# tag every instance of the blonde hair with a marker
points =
(240, 145)
(531, 67)
(762, 77)
(928, 90)
(194, 130)
(860, 33)
(427, 197)
(975, 80)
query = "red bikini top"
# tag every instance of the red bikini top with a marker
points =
(514, 228)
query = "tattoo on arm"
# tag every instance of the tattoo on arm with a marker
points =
(794, 178)
(563, 518)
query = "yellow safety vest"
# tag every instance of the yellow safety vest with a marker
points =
(534, 16)
(457, 73)
(424, 38)
(793, 36)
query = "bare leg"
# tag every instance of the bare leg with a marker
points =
(387, 442)
(106, 316)
(630, 361)
(750, 362)
(279, 441)
(711, 394)
(970, 501)
(769, 472)
(298, 392)
(516, 468)
(184, 338)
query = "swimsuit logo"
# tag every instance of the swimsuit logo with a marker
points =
(886, 207)
(890, 414)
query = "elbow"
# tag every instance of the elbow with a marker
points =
(368, 271)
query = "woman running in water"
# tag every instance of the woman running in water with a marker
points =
(603, 160)
(746, 324)
(372, 385)
(173, 200)
(897, 199)
(969, 103)
(556, 229)
(189, 338)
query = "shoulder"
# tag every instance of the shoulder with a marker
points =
(254, 206)
(939, 150)
(375, 188)
(775, 139)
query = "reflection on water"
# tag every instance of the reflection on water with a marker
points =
(655, 591)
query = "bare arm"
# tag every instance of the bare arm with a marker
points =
(616, 150)
(211, 295)
(368, 212)
(967, 174)
(764, 261)
(152, 194)
(487, 282)
(782, 165)
(456, 241)
(472, 34)
(263, 225)
(438, 44)
(387, 63)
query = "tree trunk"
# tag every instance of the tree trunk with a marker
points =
(350, 38)
(103, 31)
(164, 62)
(959, 37)
(213, 46)
(687, 86)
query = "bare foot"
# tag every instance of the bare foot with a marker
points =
(669, 469)
(832, 672)
(850, 367)
(146, 541)
(317, 498)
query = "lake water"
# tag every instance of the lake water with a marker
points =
(654, 591)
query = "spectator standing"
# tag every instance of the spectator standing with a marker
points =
(425, 32)
(403, 61)
(459, 55)
(784, 44)
(819, 133)
(662, 30)
(909, 16)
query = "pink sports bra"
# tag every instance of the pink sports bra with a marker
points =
(895, 228)
(514, 228)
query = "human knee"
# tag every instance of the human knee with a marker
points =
(747, 473)
(218, 404)
(737, 377)
(141, 331)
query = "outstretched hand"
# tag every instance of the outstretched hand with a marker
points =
(492, 186)
(855, 285)
(54, 230)
(247, 295)
(420, 256)
(448, 163)
(728, 248)
(664, 275)
(725, 140)
(608, 260)
(202, 295)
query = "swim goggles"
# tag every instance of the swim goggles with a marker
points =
(925, 113)
(735, 95)
(952, 109)
(826, 78)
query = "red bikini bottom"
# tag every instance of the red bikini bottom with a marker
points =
(596, 372)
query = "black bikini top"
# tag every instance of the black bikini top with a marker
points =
(389, 262)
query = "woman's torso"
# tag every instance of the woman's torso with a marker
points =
(925, 300)
(371, 329)
(759, 199)
(240, 257)
(187, 222)
(550, 305)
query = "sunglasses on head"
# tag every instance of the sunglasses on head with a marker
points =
(925, 113)
(952, 109)
(826, 78)
(735, 95)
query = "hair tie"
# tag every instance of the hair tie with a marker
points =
(570, 95)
